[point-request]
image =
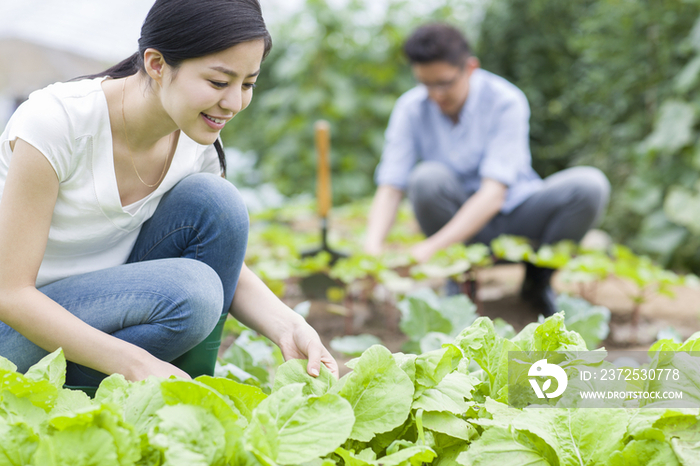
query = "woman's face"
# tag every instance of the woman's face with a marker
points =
(204, 93)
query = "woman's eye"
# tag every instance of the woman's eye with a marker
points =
(249, 85)
(218, 84)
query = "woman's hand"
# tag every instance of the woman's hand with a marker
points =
(146, 365)
(302, 342)
(255, 306)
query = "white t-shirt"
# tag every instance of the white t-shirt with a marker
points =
(90, 230)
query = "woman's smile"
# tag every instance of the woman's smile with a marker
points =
(216, 123)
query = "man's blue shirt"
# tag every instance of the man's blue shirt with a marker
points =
(490, 140)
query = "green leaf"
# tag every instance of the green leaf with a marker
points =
(554, 256)
(459, 310)
(139, 401)
(673, 128)
(432, 341)
(512, 248)
(419, 317)
(687, 366)
(577, 435)
(644, 453)
(18, 442)
(379, 392)
(40, 393)
(89, 437)
(354, 345)
(589, 321)
(679, 206)
(188, 435)
(480, 343)
(7, 365)
(499, 445)
(683, 433)
(552, 335)
(244, 397)
(448, 423)
(294, 372)
(433, 366)
(51, 368)
(291, 428)
(193, 392)
(416, 455)
(449, 395)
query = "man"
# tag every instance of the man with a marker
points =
(458, 146)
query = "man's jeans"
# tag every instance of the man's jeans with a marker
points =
(569, 203)
(179, 279)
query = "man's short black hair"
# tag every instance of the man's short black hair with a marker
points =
(437, 42)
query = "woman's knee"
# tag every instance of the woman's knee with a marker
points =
(218, 199)
(197, 292)
(215, 193)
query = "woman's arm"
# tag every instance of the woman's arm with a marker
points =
(26, 208)
(258, 308)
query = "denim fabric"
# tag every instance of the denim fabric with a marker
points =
(179, 279)
(567, 205)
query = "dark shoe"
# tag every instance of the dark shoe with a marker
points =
(452, 288)
(468, 288)
(537, 290)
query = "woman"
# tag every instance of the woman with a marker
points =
(120, 241)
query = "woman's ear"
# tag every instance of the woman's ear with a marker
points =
(155, 65)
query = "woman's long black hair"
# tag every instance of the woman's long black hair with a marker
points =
(184, 29)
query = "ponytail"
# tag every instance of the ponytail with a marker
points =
(222, 156)
(124, 68)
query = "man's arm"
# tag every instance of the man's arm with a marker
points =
(474, 214)
(381, 217)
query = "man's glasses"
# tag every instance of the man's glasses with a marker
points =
(443, 86)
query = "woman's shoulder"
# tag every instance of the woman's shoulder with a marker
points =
(71, 96)
(70, 89)
(54, 118)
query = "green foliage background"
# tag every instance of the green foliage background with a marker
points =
(344, 65)
(611, 83)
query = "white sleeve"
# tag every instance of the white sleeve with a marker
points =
(43, 122)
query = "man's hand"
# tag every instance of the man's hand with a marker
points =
(373, 249)
(423, 251)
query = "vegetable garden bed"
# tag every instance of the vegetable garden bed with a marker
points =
(424, 382)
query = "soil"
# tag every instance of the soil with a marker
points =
(498, 297)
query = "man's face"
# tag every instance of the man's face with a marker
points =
(448, 85)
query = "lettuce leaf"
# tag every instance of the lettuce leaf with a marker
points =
(379, 392)
(96, 436)
(289, 427)
(294, 371)
(188, 435)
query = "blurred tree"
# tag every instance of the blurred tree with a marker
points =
(598, 75)
(345, 65)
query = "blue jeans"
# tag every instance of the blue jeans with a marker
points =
(179, 279)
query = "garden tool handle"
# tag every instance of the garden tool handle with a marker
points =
(323, 183)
